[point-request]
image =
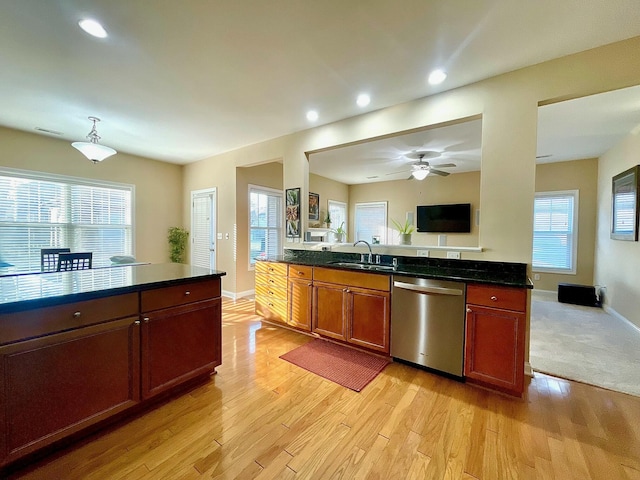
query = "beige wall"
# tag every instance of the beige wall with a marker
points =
(267, 175)
(617, 262)
(328, 190)
(158, 185)
(581, 175)
(508, 105)
(403, 196)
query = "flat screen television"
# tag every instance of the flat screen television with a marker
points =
(444, 218)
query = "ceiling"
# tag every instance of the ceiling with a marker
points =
(571, 130)
(182, 81)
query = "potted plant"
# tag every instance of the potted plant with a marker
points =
(327, 219)
(405, 230)
(177, 244)
(340, 233)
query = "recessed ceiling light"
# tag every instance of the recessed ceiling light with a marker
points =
(92, 27)
(437, 76)
(312, 115)
(363, 100)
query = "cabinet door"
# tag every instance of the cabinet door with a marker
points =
(179, 344)
(59, 384)
(300, 300)
(369, 317)
(329, 310)
(494, 349)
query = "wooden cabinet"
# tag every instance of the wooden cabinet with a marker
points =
(271, 291)
(183, 341)
(353, 307)
(66, 367)
(495, 336)
(300, 294)
(58, 384)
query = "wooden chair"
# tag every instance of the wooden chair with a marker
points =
(49, 258)
(75, 261)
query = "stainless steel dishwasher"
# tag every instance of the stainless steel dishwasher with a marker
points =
(427, 323)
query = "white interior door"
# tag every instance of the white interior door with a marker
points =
(203, 228)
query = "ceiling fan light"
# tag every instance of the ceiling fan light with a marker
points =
(420, 174)
(94, 151)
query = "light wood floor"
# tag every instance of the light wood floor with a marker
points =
(261, 417)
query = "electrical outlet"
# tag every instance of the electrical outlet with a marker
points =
(536, 276)
(423, 253)
(455, 255)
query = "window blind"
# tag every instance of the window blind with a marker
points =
(371, 221)
(338, 212)
(555, 231)
(38, 211)
(265, 223)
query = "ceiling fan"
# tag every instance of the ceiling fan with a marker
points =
(421, 169)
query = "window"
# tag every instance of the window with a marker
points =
(338, 212)
(371, 222)
(265, 222)
(555, 231)
(47, 211)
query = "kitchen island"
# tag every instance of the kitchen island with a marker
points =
(349, 299)
(78, 348)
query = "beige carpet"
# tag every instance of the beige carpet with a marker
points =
(584, 344)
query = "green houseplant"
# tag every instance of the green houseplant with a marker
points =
(177, 244)
(327, 219)
(340, 233)
(405, 230)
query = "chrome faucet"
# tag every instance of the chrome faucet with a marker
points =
(370, 252)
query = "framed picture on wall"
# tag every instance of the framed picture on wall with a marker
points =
(292, 214)
(624, 205)
(314, 206)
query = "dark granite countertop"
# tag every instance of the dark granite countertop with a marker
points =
(508, 274)
(22, 292)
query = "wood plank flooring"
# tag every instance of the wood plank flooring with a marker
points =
(264, 418)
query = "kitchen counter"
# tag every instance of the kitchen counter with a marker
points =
(509, 274)
(21, 292)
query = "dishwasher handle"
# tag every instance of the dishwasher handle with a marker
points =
(428, 289)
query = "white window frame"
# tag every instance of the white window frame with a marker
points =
(383, 231)
(273, 191)
(75, 181)
(343, 205)
(574, 232)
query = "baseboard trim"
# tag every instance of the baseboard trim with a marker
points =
(528, 371)
(552, 292)
(613, 313)
(236, 296)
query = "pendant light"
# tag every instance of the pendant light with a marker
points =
(92, 149)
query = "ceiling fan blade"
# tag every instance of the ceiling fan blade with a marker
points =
(445, 165)
(411, 177)
(397, 173)
(438, 172)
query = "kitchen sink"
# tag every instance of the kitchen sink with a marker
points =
(364, 266)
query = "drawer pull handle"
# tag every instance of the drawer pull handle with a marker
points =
(494, 298)
(187, 292)
(271, 304)
(270, 269)
(270, 292)
(146, 319)
(137, 322)
(469, 310)
(271, 281)
(77, 315)
(301, 273)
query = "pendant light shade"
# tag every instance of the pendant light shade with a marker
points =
(92, 149)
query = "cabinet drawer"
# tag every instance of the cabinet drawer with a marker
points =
(274, 268)
(271, 309)
(164, 297)
(275, 281)
(300, 271)
(497, 297)
(353, 279)
(269, 291)
(43, 321)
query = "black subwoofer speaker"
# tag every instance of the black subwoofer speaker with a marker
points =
(578, 294)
